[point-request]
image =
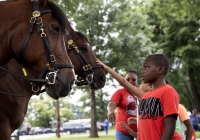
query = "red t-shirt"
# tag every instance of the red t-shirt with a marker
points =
(154, 106)
(126, 107)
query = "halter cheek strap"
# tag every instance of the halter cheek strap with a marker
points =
(86, 66)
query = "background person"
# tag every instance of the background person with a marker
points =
(184, 119)
(195, 120)
(106, 126)
(126, 105)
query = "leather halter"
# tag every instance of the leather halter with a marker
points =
(50, 66)
(86, 66)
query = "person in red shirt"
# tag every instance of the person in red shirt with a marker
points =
(126, 105)
(158, 108)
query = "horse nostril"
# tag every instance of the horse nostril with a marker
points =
(102, 78)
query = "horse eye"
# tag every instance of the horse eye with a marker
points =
(83, 49)
(55, 27)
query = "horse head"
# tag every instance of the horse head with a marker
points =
(84, 60)
(33, 33)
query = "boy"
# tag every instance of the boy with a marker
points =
(158, 108)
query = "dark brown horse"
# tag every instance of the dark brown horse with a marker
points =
(83, 58)
(32, 32)
(16, 99)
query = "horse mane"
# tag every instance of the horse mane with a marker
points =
(82, 36)
(60, 16)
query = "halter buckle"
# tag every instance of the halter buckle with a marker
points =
(50, 66)
(52, 58)
(51, 77)
(87, 67)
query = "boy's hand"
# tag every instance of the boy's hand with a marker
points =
(102, 64)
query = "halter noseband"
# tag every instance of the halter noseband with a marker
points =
(86, 66)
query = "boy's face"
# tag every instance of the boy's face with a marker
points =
(149, 71)
(132, 78)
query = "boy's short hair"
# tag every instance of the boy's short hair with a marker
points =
(160, 60)
(132, 71)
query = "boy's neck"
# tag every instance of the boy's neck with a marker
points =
(158, 83)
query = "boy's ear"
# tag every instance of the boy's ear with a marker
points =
(161, 69)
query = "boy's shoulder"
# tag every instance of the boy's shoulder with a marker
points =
(160, 91)
(166, 87)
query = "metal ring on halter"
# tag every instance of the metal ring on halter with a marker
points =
(49, 75)
(89, 78)
(34, 88)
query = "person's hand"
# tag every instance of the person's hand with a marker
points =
(111, 116)
(124, 125)
(132, 120)
(102, 64)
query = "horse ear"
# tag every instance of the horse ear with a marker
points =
(43, 2)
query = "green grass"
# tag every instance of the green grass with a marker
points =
(78, 138)
(83, 136)
(197, 134)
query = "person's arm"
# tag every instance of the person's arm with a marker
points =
(132, 120)
(182, 112)
(111, 111)
(122, 81)
(189, 129)
(170, 124)
(125, 126)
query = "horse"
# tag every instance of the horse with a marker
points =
(18, 98)
(32, 32)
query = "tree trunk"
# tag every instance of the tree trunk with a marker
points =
(194, 87)
(58, 119)
(93, 128)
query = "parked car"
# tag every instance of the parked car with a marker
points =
(54, 130)
(100, 127)
(47, 130)
(70, 128)
(23, 130)
(36, 131)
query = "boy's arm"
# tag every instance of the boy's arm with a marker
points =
(122, 81)
(170, 124)
(189, 129)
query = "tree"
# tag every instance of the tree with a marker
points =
(41, 111)
(177, 34)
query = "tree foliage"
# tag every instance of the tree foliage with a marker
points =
(176, 32)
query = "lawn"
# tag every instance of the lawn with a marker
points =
(84, 136)
(79, 138)
(198, 134)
